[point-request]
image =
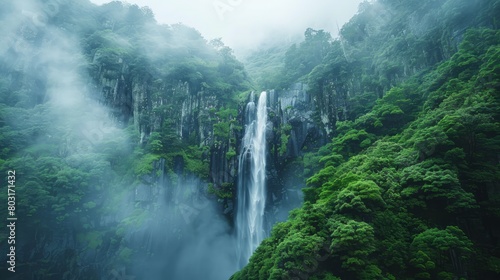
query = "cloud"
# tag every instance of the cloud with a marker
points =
(189, 232)
(244, 24)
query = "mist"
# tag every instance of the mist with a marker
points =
(162, 224)
(244, 25)
(185, 237)
(125, 131)
(173, 228)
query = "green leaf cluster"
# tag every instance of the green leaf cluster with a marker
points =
(407, 189)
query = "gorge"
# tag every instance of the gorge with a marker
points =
(142, 150)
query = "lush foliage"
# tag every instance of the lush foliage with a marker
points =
(407, 189)
(85, 172)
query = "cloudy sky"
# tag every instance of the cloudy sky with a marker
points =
(247, 23)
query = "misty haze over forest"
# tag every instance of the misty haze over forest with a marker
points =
(238, 139)
(245, 25)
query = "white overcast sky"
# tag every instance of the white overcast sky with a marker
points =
(244, 24)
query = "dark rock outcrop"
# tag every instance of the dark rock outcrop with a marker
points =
(292, 132)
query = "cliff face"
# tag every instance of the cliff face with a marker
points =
(108, 203)
(148, 102)
(151, 104)
(301, 119)
(291, 133)
(384, 44)
(149, 174)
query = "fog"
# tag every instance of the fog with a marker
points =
(51, 57)
(246, 24)
(183, 236)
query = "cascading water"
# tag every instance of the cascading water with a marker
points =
(252, 180)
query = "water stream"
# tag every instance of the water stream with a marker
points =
(252, 180)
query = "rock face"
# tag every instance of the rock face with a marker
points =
(295, 110)
(148, 101)
(299, 119)
(291, 132)
(370, 59)
(151, 104)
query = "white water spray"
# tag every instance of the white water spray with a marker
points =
(252, 180)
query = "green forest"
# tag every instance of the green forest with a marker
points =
(406, 189)
(125, 138)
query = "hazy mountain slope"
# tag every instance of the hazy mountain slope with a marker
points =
(408, 186)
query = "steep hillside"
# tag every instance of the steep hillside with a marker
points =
(122, 139)
(408, 187)
(121, 133)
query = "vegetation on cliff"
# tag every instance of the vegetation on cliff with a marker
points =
(106, 115)
(98, 105)
(407, 188)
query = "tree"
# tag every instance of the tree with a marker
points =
(439, 252)
(353, 243)
(359, 198)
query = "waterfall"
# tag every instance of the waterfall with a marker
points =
(252, 180)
